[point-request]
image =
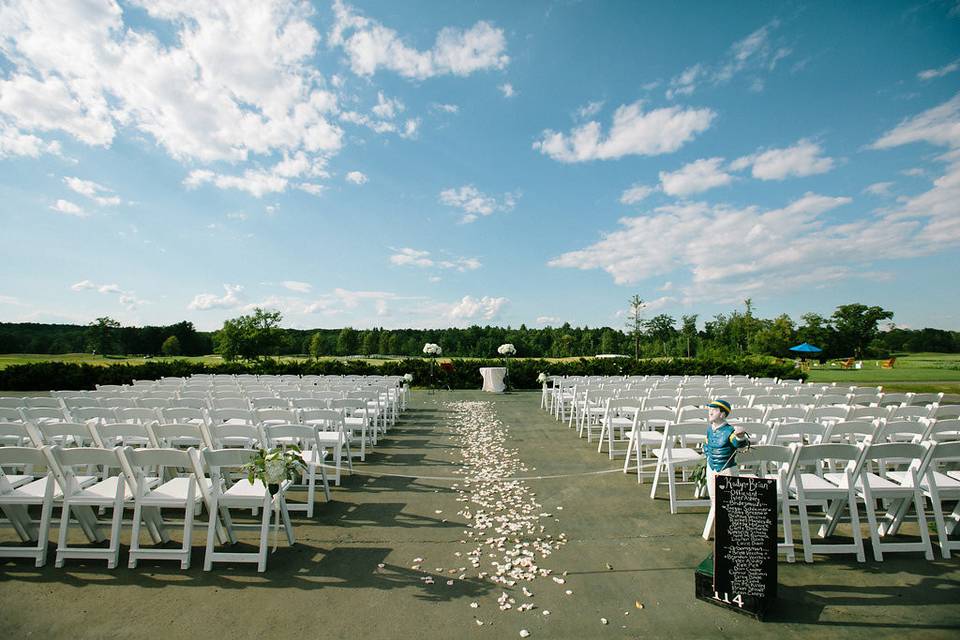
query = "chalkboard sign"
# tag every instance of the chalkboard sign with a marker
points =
(745, 543)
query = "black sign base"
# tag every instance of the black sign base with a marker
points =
(745, 605)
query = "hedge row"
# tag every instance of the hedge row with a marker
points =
(461, 374)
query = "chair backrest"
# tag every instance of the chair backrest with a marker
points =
(747, 414)
(892, 399)
(944, 453)
(944, 430)
(923, 399)
(42, 401)
(946, 411)
(182, 414)
(9, 414)
(917, 453)
(762, 457)
(180, 435)
(15, 434)
(11, 403)
(785, 414)
(218, 459)
(326, 419)
(275, 435)
(218, 416)
(21, 456)
(137, 463)
(834, 452)
(188, 402)
(153, 403)
(226, 435)
(51, 433)
(901, 431)
(800, 400)
(118, 402)
(908, 413)
(139, 415)
(231, 402)
(850, 431)
(684, 434)
(767, 401)
(277, 416)
(100, 414)
(63, 461)
(121, 433)
(43, 414)
(802, 432)
(827, 414)
(268, 402)
(870, 413)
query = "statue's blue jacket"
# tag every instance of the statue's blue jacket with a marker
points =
(722, 443)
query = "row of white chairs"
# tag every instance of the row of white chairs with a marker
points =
(149, 480)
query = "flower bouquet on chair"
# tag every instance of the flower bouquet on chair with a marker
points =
(274, 466)
(506, 350)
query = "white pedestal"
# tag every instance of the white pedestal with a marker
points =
(493, 379)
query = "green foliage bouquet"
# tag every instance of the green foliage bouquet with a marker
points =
(276, 465)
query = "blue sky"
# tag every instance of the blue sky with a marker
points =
(431, 164)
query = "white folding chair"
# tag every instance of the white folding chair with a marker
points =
(332, 434)
(836, 489)
(311, 452)
(241, 494)
(645, 436)
(110, 493)
(677, 454)
(18, 493)
(901, 489)
(942, 484)
(187, 489)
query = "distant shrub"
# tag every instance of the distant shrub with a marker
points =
(463, 374)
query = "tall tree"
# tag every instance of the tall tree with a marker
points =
(102, 335)
(856, 325)
(689, 332)
(171, 346)
(252, 336)
(347, 341)
(635, 323)
(661, 328)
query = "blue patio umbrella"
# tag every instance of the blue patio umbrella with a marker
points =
(806, 347)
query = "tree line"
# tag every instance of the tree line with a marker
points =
(853, 330)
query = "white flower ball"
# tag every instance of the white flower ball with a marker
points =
(275, 471)
(407, 377)
(506, 349)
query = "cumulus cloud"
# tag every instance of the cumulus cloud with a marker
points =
(262, 181)
(547, 320)
(17, 143)
(695, 177)
(589, 110)
(636, 193)
(231, 299)
(930, 74)
(408, 257)
(231, 81)
(128, 299)
(802, 159)
(633, 132)
(881, 189)
(295, 285)
(939, 126)
(446, 108)
(474, 203)
(96, 192)
(69, 208)
(755, 54)
(371, 46)
(356, 177)
(777, 250)
(470, 308)
(507, 90)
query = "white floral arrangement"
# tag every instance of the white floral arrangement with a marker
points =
(542, 378)
(276, 465)
(506, 349)
(408, 377)
(431, 349)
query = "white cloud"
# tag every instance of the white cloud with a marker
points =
(260, 182)
(548, 320)
(938, 126)
(356, 177)
(370, 46)
(802, 159)
(447, 108)
(408, 257)
(695, 177)
(294, 285)
(475, 203)
(589, 110)
(311, 188)
(930, 74)
(69, 208)
(128, 299)
(470, 308)
(881, 189)
(410, 128)
(756, 54)
(96, 192)
(633, 132)
(636, 193)
(237, 215)
(507, 90)
(17, 143)
(387, 108)
(231, 299)
(776, 250)
(229, 81)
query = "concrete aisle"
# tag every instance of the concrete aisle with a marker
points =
(331, 585)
